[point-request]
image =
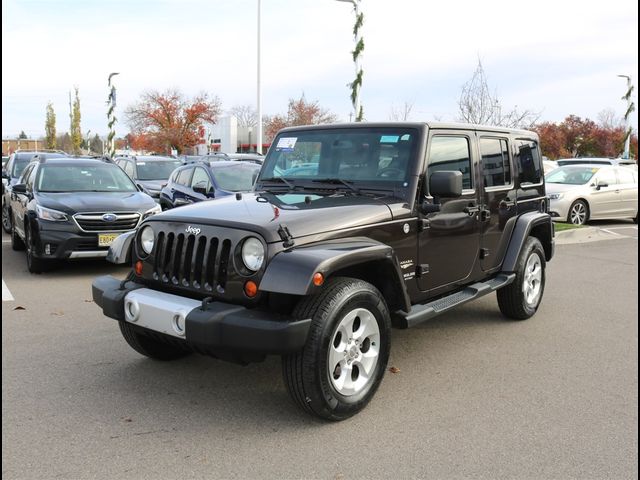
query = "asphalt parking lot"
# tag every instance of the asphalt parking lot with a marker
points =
(475, 396)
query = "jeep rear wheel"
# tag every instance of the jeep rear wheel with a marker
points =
(520, 299)
(150, 347)
(345, 357)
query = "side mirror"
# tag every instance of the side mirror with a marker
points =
(19, 188)
(445, 184)
(600, 184)
(201, 188)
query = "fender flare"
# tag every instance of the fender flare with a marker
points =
(291, 271)
(525, 225)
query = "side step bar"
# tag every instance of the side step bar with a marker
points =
(425, 311)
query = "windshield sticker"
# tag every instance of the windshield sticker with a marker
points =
(389, 139)
(286, 144)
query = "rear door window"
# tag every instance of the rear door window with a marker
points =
(626, 176)
(496, 165)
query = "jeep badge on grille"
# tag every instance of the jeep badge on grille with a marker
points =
(195, 231)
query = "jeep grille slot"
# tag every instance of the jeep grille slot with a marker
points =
(192, 261)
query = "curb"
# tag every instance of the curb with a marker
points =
(585, 235)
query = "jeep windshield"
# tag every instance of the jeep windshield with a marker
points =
(349, 159)
(83, 178)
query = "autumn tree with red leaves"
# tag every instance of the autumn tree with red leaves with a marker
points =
(161, 122)
(577, 137)
(300, 112)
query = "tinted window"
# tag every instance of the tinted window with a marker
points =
(184, 177)
(529, 162)
(84, 178)
(451, 153)
(626, 176)
(200, 177)
(495, 162)
(236, 178)
(156, 169)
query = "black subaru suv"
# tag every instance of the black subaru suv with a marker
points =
(351, 229)
(73, 208)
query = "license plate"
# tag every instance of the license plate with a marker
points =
(106, 239)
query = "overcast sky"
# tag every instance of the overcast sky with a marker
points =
(556, 56)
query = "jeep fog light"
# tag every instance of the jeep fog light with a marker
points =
(252, 254)
(147, 239)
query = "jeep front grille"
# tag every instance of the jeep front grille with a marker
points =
(191, 261)
(95, 222)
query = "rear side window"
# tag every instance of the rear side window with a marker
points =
(451, 153)
(184, 177)
(495, 162)
(626, 176)
(529, 162)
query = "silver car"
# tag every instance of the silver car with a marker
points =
(579, 193)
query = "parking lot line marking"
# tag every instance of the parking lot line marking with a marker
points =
(6, 294)
(612, 233)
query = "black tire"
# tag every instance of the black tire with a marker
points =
(306, 373)
(150, 347)
(6, 217)
(512, 300)
(34, 264)
(16, 242)
(578, 220)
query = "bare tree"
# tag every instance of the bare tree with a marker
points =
(246, 115)
(609, 119)
(401, 113)
(478, 105)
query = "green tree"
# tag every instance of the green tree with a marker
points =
(50, 127)
(22, 135)
(76, 132)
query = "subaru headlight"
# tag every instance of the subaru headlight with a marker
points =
(152, 211)
(556, 196)
(147, 239)
(252, 254)
(50, 214)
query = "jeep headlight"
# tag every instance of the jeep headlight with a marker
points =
(252, 254)
(555, 196)
(147, 239)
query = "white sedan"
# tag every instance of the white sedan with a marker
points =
(579, 193)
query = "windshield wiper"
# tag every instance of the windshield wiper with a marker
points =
(336, 181)
(279, 180)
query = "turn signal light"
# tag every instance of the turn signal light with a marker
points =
(318, 279)
(250, 289)
(138, 268)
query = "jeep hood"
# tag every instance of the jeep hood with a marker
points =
(263, 213)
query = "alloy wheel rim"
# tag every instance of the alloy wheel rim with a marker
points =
(354, 352)
(5, 217)
(578, 214)
(532, 283)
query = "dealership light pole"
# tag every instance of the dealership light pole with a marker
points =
(627, 116)
(259, 101)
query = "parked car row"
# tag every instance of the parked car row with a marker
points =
(56, 206)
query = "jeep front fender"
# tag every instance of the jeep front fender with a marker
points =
(291, 272)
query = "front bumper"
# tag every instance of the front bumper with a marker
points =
(207, 328)
(62, 244)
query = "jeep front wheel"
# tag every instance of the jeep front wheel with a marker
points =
(345, 357)
(520, 299)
